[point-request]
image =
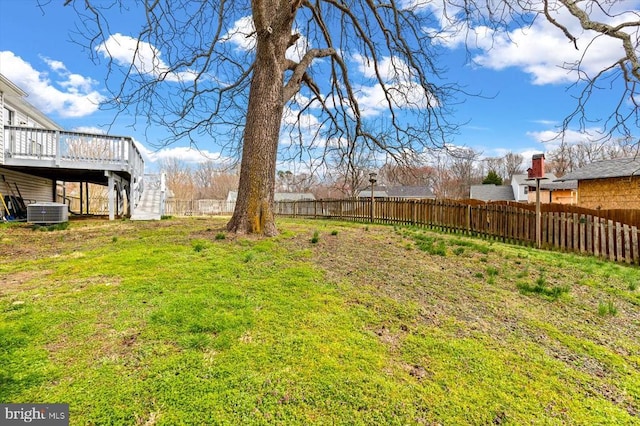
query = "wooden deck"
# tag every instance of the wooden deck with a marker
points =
(24, 146)
(114, 161)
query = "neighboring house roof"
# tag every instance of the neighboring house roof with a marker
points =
(619, 167)
(410, 192)
(378, 192)
(523, 179)
(492, 192)
(519, 179)
(397, 191)
(293, 196)
(279, 196)
(559, 185)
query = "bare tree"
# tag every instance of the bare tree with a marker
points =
(179, 178)
(186, 73)
(495, 164)
(607, 19)
(512, 165)
(568, 157)
(405, 175)
(214, 182)
(349, 165)
(560, 160)
(287, 181)
(463, 168)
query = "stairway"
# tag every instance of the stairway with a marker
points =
(149, 206)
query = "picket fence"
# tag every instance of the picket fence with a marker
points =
(599, 233)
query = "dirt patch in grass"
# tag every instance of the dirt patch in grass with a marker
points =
(475, 293)
(21, 280)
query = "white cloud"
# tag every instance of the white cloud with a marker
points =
(145, 58)
(55, 65)
(527, 154)
(306, 121)
(64, 94)
(300, 129)
(401, 88)
(389, 68)
(541, 49)
(552, 139)
(242, 35)
(181, 153)
(89, 129)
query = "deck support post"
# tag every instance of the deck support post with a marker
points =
(111, 196)
(129, 194)
(87, 199)
(81, 197)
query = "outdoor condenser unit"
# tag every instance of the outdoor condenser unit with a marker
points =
(47, 213)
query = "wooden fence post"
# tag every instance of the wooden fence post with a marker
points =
(596, 237)
(627, 243)
(576, 233)
(612, 252)
(634, 242)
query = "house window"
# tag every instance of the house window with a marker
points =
(526, 189)
(8, 117)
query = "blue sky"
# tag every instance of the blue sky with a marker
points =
(519, 72)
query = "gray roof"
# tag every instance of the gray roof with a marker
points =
(293, 196)
(410, 192)
(491, 192)
(619, 167)
(378, 192)
(397, 191)
(556, 185)
(279, 196)
(523, 179)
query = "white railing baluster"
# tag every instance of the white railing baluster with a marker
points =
(71, 149)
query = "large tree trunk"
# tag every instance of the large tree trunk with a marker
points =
(254, 210)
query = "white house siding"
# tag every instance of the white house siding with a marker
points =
(20, 143)
(1, 128)
(33, 189)
(520, 188)
(16, 111)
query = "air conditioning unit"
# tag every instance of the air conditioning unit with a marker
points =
(47, 213)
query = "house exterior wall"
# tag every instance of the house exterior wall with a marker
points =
(565, 196)
(611, 193)
(545, 196)
(520, 191)
(32, 188)
(20, 117)
(1, 128)
(557, 196)
(16, 111)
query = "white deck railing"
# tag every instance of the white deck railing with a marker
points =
(72, 149)
(34, 147)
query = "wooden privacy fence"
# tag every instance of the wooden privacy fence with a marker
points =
(566, 228)
(204, 207)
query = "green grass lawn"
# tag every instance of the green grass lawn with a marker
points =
(177, 322)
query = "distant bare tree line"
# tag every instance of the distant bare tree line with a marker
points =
(568, 157)
(448, 175)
